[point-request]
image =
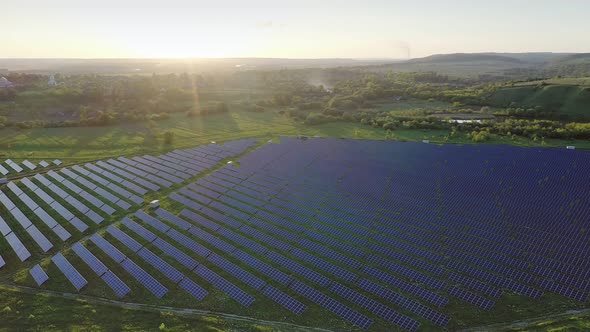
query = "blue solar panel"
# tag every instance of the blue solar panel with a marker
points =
(404, 302)
(231, 268)
(188, 243)
(173, 218)
(284, 299)
(470, 297)
(94, 263)
(324, 265)
(153, 222)
(329, 303)
(175, 253)
(161, 265)
(265, 238)
(185, 201)
(193, 289)
(375, 307)
(108, 248)
(38, 275)
(19, 249)
(137, 228)
(118, 286)
(69, 271)
(242, 241)
(266, 269)
(197, 220)
(128, 241)
(144, 278)
(230, 289)
(211, 239)
(298, 269)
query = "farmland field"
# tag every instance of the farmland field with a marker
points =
(397, 247)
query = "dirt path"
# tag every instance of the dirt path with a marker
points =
(158, 309)
(522, 325)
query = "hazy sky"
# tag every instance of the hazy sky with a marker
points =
(294, 29)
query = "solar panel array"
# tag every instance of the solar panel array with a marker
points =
(344, 211)
(69, 271)
(38, 275)
(93, 191)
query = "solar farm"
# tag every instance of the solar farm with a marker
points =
(333, 233)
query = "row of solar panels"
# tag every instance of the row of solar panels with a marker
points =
(175, 276)
(15, 167)
(95, 185)
(404, 271)
(489, 245)
(296, 268)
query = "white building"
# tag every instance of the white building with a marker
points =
(4, 83)
(52, 81)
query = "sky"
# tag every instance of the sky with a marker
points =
(382, 29)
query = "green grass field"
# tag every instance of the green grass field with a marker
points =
(569, 100)
(91, 143)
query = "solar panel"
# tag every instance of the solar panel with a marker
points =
(175, 253)
(185, 201)
(196, 219)
(266, 269)
(329, 303)
(108, 248)
(406, 286)
(284, 299)
(61, 232)
(43, 163)
(69, 271)
(233, 269)
(193, 289)
(4, 228)
(142, 231)
(61, 210)
(298, 269)
(161, 265)
(39, 238)
(6, 202)
(227, 287)
(144, 278)
(92, 261)
(155, 223)
(43, 195)
(470, 297)
(29, 184)
(14, 188)
(3, 170)
(118, 286)
(18, 247)
(211, 239)
(242, 241)
(189, 243)
(78, 224)
(38, 275)
(404, 302)
(173, 219)
(375, 307)
(128, 241)
(324, 265)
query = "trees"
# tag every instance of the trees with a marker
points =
(168, 137)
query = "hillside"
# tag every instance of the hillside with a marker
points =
(570, 100)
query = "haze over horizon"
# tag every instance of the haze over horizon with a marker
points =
(303, 29)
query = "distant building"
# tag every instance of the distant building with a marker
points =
(52, 81)
(4, 83)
